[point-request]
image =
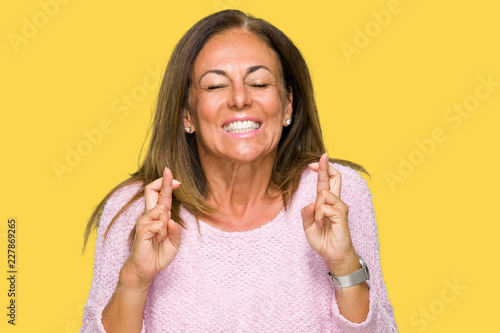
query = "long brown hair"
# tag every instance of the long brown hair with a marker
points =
(301, 143)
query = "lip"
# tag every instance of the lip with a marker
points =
(233, 119)
(245, 134)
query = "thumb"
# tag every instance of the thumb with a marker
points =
(308, 215)
(174, 233)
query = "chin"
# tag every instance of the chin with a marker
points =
(249, 155)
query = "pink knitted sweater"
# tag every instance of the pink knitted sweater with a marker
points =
(267, 279)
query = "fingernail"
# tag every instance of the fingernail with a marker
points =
(176, 182)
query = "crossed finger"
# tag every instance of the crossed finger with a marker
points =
(159, 191)
(329, 178)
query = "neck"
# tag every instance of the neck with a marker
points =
(235, 189)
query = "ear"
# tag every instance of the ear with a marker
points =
(288, 107)
(186, 119)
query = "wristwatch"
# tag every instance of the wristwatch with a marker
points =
(352, 279)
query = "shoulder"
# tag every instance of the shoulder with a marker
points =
(112, 246)
(354, 186)
(118, 199)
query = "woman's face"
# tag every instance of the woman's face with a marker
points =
(238, 107)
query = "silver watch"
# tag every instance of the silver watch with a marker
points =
(352, 279)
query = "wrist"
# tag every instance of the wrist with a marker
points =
(130, 280)
(351, 280)
(348, 265)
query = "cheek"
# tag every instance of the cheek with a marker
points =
(206, 123)
(275, 109)
(206, 112)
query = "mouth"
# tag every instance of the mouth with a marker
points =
(241, 126)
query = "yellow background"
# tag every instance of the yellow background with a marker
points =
(439, 224)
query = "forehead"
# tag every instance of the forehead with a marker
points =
(234, 49)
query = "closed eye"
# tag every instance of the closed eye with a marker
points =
(214, 87)
(260, 85)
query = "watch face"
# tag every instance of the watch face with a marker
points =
(364, 267)
(361, 261)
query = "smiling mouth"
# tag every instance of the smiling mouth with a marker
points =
(241, 126)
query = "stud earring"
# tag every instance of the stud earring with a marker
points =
(188, 129)
(288, 122)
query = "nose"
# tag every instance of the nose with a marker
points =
(239, 96)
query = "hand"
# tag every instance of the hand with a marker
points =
(157, 236)
(325, 221)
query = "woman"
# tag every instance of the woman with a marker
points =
(246, 236)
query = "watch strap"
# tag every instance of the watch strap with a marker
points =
(352, 279)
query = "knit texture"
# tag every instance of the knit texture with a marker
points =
(267, 279)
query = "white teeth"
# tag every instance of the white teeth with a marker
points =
(241, 126)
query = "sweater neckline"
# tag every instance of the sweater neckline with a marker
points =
(209, 229)
(258, 233)
(254, 234)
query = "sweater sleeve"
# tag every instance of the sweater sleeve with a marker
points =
(110, 255)
(363, 227)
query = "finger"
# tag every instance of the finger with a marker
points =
(323, 185)
(153, 214)
(323, 175)
(162, 232)
(151, 193)
(308, 215)
(151, 217)
(330, 213)
(335, 180)
(327, 197)
(327, 211)
(335, 177)
(319, 217)
(165, 195)
(314, 166)
(154, 230)
(174, 233)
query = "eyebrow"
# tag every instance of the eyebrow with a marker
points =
(221, 72)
